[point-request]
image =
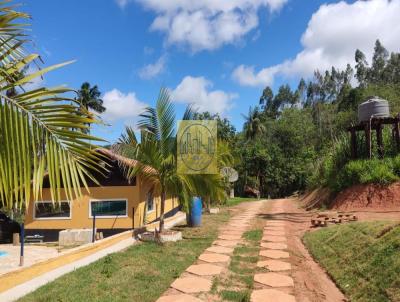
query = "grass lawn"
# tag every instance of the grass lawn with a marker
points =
(141, 273)
(363, 258)
(236, 200)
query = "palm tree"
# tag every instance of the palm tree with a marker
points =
(35, 126)
(157, 157)
(254, 123)
(89, 98)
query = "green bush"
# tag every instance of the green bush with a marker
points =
(327, 169)
(336, 171)
(367, 171)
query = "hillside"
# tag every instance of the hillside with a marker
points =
(363, 258)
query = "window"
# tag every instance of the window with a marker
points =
(108, 208)
(50, 210)
(150, 202)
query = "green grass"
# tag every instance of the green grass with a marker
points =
(239, 296)
(238, 284)
(363, 258)
(236, 200)
(253, 235)
(141, 273)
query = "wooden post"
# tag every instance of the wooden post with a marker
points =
(368, 140)
(353, 142)
(379, 140)
(94, 227)
(397, 134)
(22, 239)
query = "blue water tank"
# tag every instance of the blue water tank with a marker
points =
(196, 211)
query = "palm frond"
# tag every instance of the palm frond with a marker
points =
(38, 127)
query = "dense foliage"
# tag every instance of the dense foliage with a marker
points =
(296, 139)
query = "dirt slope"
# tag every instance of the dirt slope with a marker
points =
(368, 197)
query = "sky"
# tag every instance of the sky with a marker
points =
(215, 54)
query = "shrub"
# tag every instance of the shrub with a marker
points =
(327, 169)
(337, 172)
(366, 171)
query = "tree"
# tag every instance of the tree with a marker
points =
(156, 157)
(253, 125)
(266, 98)
(35, 126)
(301, 92)
(361, 68)
(89, 98)
(379, 60)
(226, 131)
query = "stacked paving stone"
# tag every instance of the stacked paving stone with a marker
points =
(197, 278)
(276, 284)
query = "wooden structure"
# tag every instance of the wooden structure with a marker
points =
(368, 127)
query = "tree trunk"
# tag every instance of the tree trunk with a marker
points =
(162, 211)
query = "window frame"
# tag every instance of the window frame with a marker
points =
(51, 218)
(108, 216)
(147, 202)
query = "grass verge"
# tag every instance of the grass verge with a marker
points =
(141, 273)
(236, 200)
(238, 284)
(363, 258)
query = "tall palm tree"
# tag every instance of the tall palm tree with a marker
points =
(254, 123)
(34, 126)
(89, 98)
(157, 157)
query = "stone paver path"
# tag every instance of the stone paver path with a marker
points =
(205, 269)
(190, 285)
(275, 284)
(275, 265)
(271, 295)
(274, 254)
(214, 257)
(197, 278)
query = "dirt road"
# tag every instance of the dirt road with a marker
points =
(311, 283)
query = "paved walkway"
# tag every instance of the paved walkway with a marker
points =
(23, 289)
(197, 279)
(33, 254)
(276, 284)
(16, 284)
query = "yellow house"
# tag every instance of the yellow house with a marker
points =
(118, 205)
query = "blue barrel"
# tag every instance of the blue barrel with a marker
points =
(196, 212)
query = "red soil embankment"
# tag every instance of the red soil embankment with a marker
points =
(368, 197)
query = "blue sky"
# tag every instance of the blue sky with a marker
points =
(217, 54)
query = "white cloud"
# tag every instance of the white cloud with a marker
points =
(333, 34)
(152, 70)
(121, 106)
(207, 24)
(197, 91)
(122, 3)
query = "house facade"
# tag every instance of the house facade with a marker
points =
(117, 204)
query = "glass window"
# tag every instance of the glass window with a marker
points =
(108, 208)
(150, 202)
(55, 210)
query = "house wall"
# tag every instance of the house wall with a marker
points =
(80, 216)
